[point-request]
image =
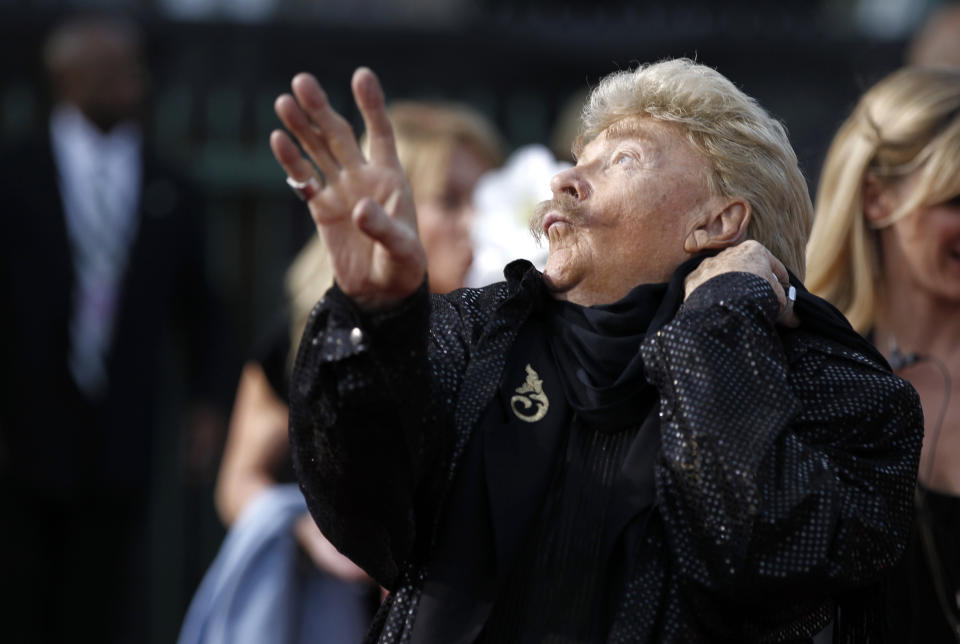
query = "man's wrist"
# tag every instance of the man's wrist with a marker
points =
(382, 302)
(735, 286)
(377, 310)
(340, 328)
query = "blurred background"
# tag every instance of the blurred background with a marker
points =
(216, 66)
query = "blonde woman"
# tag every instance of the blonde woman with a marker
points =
(445, 149)
(885, 249)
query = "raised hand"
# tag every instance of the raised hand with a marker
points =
(364, 209)
(748, 257)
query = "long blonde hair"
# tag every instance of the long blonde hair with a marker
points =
(426, 134)
(748, 150)
(909, 122)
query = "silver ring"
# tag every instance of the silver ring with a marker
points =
(789, 291)
(305, 189)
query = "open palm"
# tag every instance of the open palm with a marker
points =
(364, 211)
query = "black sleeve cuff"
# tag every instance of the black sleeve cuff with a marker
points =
(735, 289)
(340, 329)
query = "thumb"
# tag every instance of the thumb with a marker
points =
(370, 217)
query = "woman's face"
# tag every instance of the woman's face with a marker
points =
(444, 220)
(924, 246)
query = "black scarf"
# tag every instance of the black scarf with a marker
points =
(597, 350)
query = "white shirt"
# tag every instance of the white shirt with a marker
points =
(86, 157)
(100, 176)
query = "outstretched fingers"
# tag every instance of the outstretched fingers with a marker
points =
(368, 94)
(309, 136)
(333, 128)
(324, 206)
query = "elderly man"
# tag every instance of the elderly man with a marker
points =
(661, 438)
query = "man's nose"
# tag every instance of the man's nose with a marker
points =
(570, 182)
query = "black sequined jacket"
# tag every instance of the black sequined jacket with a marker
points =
(784, 479)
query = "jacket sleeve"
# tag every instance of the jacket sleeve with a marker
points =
(370, 423)
(788, 462)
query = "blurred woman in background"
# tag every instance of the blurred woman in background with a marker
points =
(444, 149)
(885, 249)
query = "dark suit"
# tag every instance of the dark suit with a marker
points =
(75, 473)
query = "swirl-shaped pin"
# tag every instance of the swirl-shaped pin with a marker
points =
(530, 404)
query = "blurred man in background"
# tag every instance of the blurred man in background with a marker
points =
(101, 251)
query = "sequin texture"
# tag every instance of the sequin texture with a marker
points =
(783, 484)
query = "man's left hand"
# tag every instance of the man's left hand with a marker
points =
(748, 257)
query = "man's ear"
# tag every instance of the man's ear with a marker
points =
(875, 200)
(721, 227)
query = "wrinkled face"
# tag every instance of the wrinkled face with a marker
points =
(620, 217)
(444, 219)
(924, 246)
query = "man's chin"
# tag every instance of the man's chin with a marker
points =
(557, 277)
(552, 286)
